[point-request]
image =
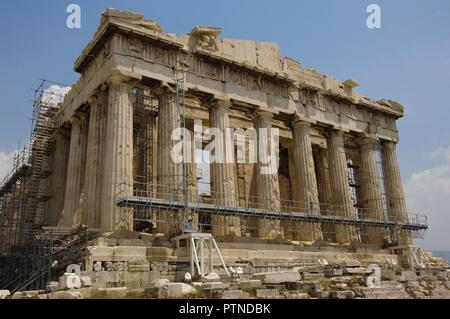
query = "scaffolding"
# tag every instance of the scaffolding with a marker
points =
(30, 254)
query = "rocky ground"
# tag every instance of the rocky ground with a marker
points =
(345, 280)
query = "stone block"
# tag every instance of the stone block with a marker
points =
(104, 242)
(105, 253)
(31, 294)
(130, 242)
(159, 251)
(267, 293)
(354, 271)
(140, 265)
(277, 277)
(215, 285)
(52, 286)
(111, 293)
(311, 269)
(102, 278)
(65, 295)
(387, 274)
(179, 290)
(312, 276)
(249, 284)
(130, 253)
(86, 281)
(349, 263)
(69, 281)
(408, 276)
(343, 279)
(211, 277)
(347, 294)
(229, 294)
(4, 294)
(333, 272)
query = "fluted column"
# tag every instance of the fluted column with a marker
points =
(170, 173)
(94, 162)
(223, 183)
(72, 196)
(267, 186)
(58, 178)
(370, 190)
(307, 185)
(192, 181)
(341, 198)
(118, 159)
(395, 195)
(324, 188)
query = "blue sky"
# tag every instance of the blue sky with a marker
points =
(408, 60)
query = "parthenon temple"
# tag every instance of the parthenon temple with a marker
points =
(102, 159)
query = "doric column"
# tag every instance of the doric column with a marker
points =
(223, 184)
(370, 190)
(58, 178)
(118, 159)
(395, 195)
(170, 173)
(94, 162)
(71, 212)
(324, 188)
(192, 180)
(341, 198)
(306, 180)
(267, 187)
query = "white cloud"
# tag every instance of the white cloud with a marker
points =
(6, 162)
(428, 193)
(54, 94)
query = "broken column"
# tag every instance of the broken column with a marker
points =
(170, 173)
(370, 190)
(395, 195)
(341, 198)
(118, 161)
(267, 187)
(223, 185)
(306, 180)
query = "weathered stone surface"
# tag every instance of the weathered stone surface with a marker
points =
(332, 272)
(354, 271)
(179, 290)
(267, 293)
(65, 295)
(4, 294)
(347, 294)
(111, 293)
(250, 284)
(211, 277)
(408, 276)
(277, 277)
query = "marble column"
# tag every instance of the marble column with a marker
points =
(267, 186)
(342, 197)
(170, 173)
(71, 212)
(307, 185)
(94, 162)
(223, 183)
(395, 195)
(118, 160)
(369, 182)
(192, 181)
(324, 188)
(58, 178)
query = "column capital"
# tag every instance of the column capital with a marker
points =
(301, 124)
(164, 88)
(220, 103)
(264, 114)
(93, 100)
(77, 117)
